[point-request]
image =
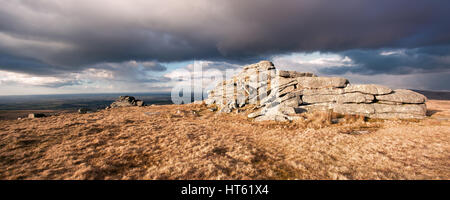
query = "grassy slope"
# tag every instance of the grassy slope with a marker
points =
(173, 142)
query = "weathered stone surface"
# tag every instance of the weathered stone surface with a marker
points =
(141, 103)
(294, 74)
(315, 107)
(286, 109)
(228, 91)
(341, 98)
(272, 97)
(286, 90)
(210, 101)
(321, 82)
(359, 109)
(241, 101)
(416, 109)
(396, 116)
(263, 65)
(293, 95)
(403, 96)
(126, 101)
(367, 89)
(84, 110)
(255, 114)
(281, 82)
(390, 102)
(229, 106)
(280, 95)
(334, 91)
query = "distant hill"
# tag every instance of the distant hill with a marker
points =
(435, 95)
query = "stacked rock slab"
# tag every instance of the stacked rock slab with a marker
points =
(279, 95)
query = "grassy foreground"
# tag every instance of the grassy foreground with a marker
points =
(191, 142)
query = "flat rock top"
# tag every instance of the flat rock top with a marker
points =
(368, 89)
(267, 65)
(321, 82)
(403, 96)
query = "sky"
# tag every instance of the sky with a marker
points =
(104, 46)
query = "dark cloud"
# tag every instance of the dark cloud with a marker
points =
(61, 83)
(25, 65)
(211, 65)
(67, 35)
(130, 71)
(395, 61)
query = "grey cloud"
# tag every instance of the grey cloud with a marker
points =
(395, 61)
(69, 35)
(24, 65)
(62, 83)
(125, 73)
(133, 71)
(153, 66)
(218, 65)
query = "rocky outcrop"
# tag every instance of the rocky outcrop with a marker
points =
(279, 95)
(125, 101)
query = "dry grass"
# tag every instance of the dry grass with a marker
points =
(191, 142)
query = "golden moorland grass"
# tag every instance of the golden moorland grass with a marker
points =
(191, 142)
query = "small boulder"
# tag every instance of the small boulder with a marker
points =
(126, 101)
(84, 110)
(36, 115)
(139, 103)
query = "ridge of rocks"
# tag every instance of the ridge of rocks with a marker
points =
(278, 95)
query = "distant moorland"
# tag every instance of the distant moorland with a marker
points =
(12, 107)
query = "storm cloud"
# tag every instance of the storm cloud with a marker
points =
(57, 37)
(395, 61)
(69, 34)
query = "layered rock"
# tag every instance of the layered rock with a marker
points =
(278, 95)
